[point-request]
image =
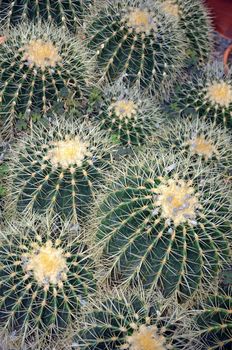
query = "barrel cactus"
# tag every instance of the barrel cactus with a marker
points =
(165, 226)
(137, 39)
(215, 321)
(194, 19)
(131, 321)
(66, 13)
(209, 93)
(128, 116)
(200, 139)
(46, 277)
(59, 169)
(37, 63)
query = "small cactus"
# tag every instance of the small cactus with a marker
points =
(202, 140)
(46, 277)
(208, 93)
(132, 321)
(137, 39)
(165, 226)
(194, 19)
(59, 169)
(38, 62)
(215, 322)
(127, 115)
(66, 13)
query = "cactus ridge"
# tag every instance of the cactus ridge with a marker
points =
(164, 228)
(60, 169)
(66, 13)
(37, 63)
(128, 115)
(209, 94)
(46, 276)
(136, 39)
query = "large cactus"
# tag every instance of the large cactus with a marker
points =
(128, 116)
(136, 38)
(46, 277)
(202, 140)
(59, 169)
(131, 321)
(66, 13)
(38, 62)
(208, 93)
(215, 322)
(194, 19)
(165, 226)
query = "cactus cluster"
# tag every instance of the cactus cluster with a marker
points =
(194, 19)
(37, 62)
(66, 13)
(137, 39)
(208, 93)
(123, 321)
(127, 115)
(58, 170)
(46, 276)
(165, 226)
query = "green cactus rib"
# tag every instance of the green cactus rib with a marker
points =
(60, 169)
(165, 227)
(66, 13)
(208, 93)
(200, 139)
(135, 38)
(194, 19)
(46, 276)
(38, 62)
(131, 322)
(127, 115)
(215, 322)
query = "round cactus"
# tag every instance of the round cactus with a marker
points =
(46, 277)
(200, 139)
(127, 115)
(194, 19)
(59, 169)
(131, 321)
(137, 39)
(37, 63)
(215, 322)
(208, 93)
(66, 13)
(165, 226)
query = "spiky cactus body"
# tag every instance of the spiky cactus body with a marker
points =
(194, 19)
(202, 140)
(135, 38)
(215, 322)
(128, 116)
(208, 93)
(66, 13)
(130, 321)
(60, 169)
(46, 276)
(37, 62)
(165, 226)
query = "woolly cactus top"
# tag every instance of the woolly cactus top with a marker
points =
(146, 338)
(219, 93)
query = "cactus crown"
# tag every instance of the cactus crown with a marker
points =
(140, 21)
(219, 93)
(170, 7)
(145, 338)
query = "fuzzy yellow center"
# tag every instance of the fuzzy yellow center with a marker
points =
(48, 264)
(202, 147)
(146, 338)
(170, 8)
(124, 109)
(220, 94)
(140, 20)
(68, 152)
(41, 54)
(177, 201)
